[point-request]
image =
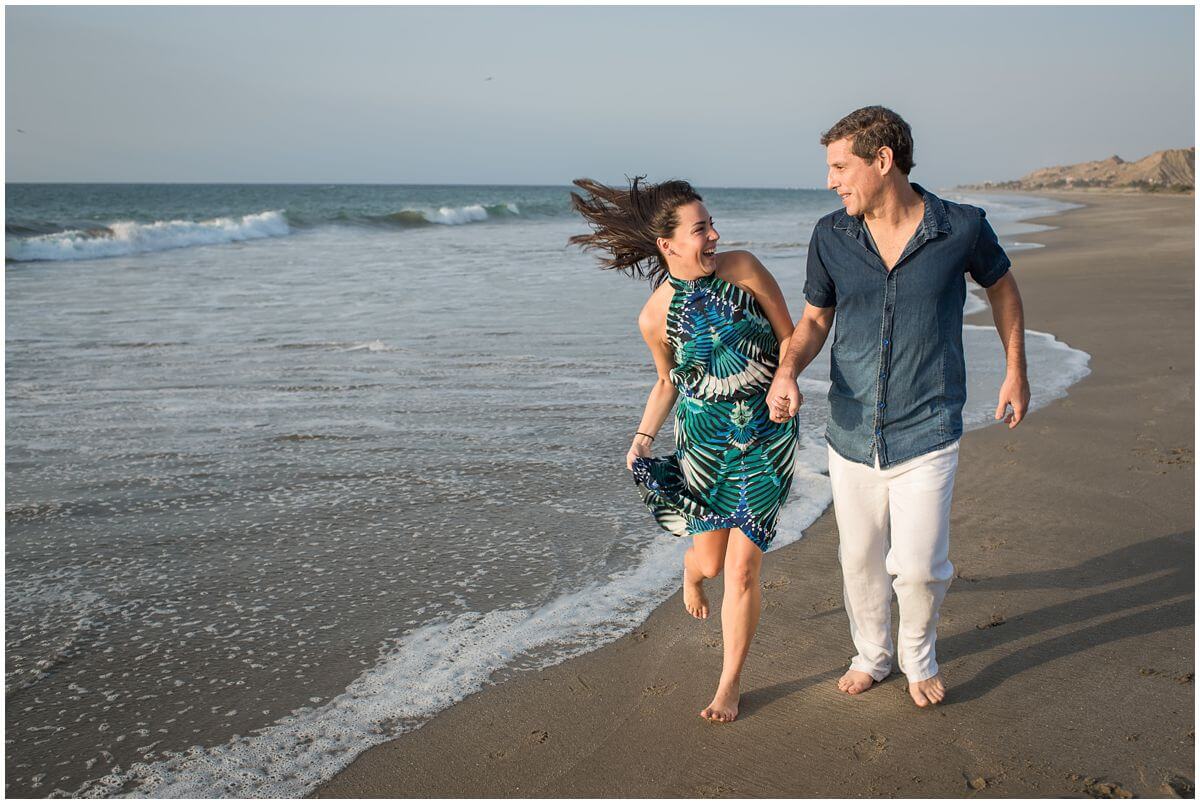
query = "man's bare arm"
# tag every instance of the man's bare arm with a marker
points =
(1009, 315)
(783, 400)
(809, 336)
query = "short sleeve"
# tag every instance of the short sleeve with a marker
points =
(988, 262)
(818, 285)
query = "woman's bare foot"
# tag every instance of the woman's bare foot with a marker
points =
(724, 706)
(694, 599)
(929, 692)
(854, 682)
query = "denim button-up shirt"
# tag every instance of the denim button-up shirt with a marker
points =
(897, 371)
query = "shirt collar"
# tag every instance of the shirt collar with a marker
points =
(936, 218)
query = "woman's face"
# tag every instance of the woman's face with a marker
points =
(693, 244)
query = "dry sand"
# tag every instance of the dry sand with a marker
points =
(1066, 639)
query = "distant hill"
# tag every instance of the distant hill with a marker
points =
(1173, 170)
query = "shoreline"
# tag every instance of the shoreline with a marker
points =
(619, 720)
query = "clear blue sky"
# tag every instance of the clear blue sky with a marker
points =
(724, 96)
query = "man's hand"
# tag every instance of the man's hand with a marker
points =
(1015, 393)
(784, 398)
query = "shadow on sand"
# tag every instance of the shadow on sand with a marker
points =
(1140, 589)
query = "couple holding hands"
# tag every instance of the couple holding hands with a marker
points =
(890, 267)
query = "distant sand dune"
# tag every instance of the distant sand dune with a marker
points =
(1171, 170)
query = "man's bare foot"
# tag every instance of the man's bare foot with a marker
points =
(694, 599)
(929, 692)
(854, 682)
(724, 706)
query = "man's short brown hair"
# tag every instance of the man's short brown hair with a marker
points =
(871, 128)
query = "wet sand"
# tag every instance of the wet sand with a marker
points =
(1066, 639)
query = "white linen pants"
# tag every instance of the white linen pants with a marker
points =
(894, 523)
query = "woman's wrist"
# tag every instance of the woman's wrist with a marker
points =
(641, 438)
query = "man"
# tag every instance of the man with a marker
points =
(890, 267)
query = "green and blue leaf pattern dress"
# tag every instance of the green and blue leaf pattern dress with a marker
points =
(732, 465)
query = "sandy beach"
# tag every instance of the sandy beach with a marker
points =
(1066, 639)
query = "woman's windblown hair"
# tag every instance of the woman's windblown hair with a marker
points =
(626, 224)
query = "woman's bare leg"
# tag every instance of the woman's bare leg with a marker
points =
(739, 620)
(704, 559)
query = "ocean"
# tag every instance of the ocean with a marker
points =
(291, 468)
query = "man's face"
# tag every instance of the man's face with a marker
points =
(856, 180)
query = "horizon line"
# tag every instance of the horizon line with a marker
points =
(397, 184)
(8, 183)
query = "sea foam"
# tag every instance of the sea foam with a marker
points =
(451, 216)
(422, 673)
(129, 237)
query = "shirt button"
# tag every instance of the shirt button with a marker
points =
(883, 376)
(881, 404)
(878, 432)
(886, 341)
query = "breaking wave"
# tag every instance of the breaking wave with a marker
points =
(128, 237)
(30, 241)
(447, 216)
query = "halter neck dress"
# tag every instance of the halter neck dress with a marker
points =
(732, 465)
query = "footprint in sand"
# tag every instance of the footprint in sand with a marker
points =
(870, 748)
(996, 620)
(713, 791)
(1097, 789)
(1179, 787)
(659, 689)
(1183, 678)
(827, 604)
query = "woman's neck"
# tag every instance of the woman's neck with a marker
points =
(685, 272)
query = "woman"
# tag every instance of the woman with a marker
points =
(716, 325)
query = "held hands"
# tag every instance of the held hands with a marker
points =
(784, 399)
(1015, 393)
